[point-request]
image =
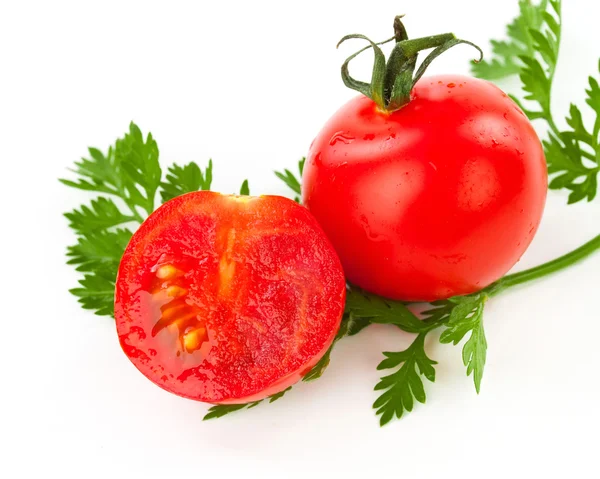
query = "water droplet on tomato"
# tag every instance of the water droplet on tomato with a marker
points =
(451, 85)
(494, 143)
(342, 136)
(369, 136)
(152, 352)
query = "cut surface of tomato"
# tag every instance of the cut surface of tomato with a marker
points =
(228, 299)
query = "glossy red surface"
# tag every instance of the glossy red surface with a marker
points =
(437, 199)
(228, 299)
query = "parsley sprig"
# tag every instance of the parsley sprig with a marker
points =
(462, 315)
(405, 385)
(129, 177)
(291, 180)
(185, 179)
(531, 51)
(221, 410)
(506, 54)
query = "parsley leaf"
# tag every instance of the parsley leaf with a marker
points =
(98, 255)
(382, 311)
(245, 189)
(102, 214)
(462, 315)
(99, 251)
(97, 292)
(537, 74)
(506, 54)
(573, 155)
(221, 410)
(185, 179)
(130, 171)
(99, 173)
(405, 385)
(139, 160)
(291, 180)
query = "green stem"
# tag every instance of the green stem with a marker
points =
(393, 80)
(545, 269)
(552, 124)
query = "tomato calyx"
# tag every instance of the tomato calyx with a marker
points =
(393, 80)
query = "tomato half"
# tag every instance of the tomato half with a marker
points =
(228, 299)
(437, 199)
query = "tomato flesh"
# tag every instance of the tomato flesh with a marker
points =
(437, 199)
(228, 299)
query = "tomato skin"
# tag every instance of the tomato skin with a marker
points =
(437, 199)
(228, 299)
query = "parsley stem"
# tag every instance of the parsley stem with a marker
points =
(552, 124)
(545, 269)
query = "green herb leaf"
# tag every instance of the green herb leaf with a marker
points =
(130, 171)
(138, 158)
(404, 386)
(382, 311)
(185, 179)
(97, 292)
(506, 54)
(98, 173)
(102, 214)
(573, 155)
(99, 251)
(291, 180)
(245, 189)
(466, 315)
(221, 410)
(356, 325)
(537, 73)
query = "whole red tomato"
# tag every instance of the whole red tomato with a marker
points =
(436, 199)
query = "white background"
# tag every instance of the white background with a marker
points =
(249, 84)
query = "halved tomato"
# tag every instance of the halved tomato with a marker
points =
(228, 299)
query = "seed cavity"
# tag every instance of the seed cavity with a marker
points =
(193, 339)
(178, 317)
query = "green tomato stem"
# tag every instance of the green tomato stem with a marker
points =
(392, 80)
(545, 269)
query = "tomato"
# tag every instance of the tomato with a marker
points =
(228, 299)
(436, 199)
